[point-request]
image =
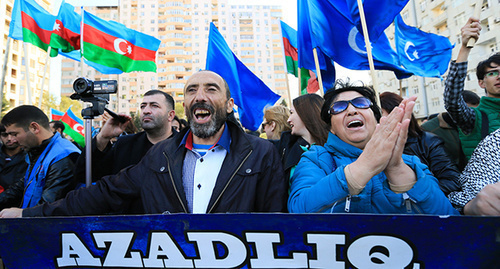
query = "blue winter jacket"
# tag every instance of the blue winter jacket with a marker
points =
(319, 185)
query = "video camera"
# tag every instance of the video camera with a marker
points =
(85, 87)
(97, 93)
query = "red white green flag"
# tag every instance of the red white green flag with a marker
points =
(66, 31)
(73, 126)
(308, 81)
(37, 25)
(112, 44)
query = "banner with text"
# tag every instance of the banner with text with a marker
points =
(251, 241)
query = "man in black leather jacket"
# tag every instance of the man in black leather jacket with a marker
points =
(157, 112)
(212, 166)
(12, 160)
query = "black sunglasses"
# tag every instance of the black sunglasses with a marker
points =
(341, 106)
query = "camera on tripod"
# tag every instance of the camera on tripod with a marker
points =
(85, 87)
(97, 93)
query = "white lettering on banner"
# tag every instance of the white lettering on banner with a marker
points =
(253, 249)
(236, 252)
(162, 244)
(266, 253)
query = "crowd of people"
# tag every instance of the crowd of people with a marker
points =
(339, 153)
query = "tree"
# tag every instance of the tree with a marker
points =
(179, 110)
(48, 103)
(5, 106)
(76, 106)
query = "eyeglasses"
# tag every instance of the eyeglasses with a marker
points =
(341, 106)
(492, 74)
(264, 125)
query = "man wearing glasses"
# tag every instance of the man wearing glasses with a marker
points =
(474, 123)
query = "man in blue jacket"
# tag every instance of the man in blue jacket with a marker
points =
(50, 158)
(210, 167)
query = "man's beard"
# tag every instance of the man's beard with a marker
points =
(208, 129)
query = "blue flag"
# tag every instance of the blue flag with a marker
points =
(379, 14)
(424, 54)
(250, 94)
(305, 48)
(332, 30)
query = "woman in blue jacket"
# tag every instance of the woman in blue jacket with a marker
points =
(361, 168)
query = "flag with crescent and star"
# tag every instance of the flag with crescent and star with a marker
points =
(424, 54)
(112, 44)
(73, 127)
(333, 31)
(66, 32)
(379, 14)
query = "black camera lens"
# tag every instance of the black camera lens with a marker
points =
(82, 86)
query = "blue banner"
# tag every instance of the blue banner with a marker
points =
(251, 241)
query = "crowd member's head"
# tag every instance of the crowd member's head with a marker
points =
(207, 103)
(157, 111)
(488, 75)
(57, 126)
(389, 101)
(28, 125)
(8, 142)
(351, 113)
(275, 121)
(176, 123)
(471, 98)
(305, 119)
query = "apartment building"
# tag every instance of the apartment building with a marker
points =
(15, 88)
(251, 31)
(446, 18)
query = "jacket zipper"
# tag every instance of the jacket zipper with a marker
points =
(173, 183)
(408, 202)
(329, 206)
(347, 203)
(229, 182)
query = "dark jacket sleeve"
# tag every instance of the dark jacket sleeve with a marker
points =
(59, 180)
(102, 163)
(441, 165)
(108, 195)
(12, 196)
(273, 184)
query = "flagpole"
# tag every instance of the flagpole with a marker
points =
(26, 65)
(318, 71)
(285, 69)
(43, 78)
(4, 71)
(300, 81)
(477, 14)
(368, 48)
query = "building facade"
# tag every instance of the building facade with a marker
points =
(15, 88)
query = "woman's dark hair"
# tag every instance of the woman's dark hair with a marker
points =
(308, 108)
(340, 87)
(391, 100)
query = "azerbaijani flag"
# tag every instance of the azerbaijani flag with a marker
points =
(112, 44)
(73, 126)
(37, 25)
(56, 114)
(66, 32)
(292, 60)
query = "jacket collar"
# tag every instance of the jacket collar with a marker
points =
(338, 147)
(240, 147)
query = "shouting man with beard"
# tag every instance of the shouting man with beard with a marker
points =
(210, 167)
(157, 113)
